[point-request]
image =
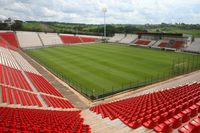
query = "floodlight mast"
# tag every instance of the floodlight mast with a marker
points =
(104, 11)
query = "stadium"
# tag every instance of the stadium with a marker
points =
(98, 82)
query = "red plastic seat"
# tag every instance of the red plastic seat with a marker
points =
(21, 120)
(186, 115)
(10, 38)
(177, 120)
(161, 111)
(42, 85)
(4, 98)
(186, 129)
(192, 127)
(58, 103)
(163, 127)
(194, 110)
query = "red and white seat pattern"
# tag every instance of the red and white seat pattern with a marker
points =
(19, 97)
(5, 44)
(176, 45)
(13, 77)
(161, 111)
(88, 39)
(142, 42)
(22, 85)
(10, 38)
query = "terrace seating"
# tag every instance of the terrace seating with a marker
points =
(194, 47)
(163, 44)
(175, 45)
(88, 39)
(13, 77)
(178, 44)
(67, 39)
(192, 127)
(28, 39)
(42, 85)
(23, 63)
(142, 42)
(57, 102)
(10, 38)
(4, 44)
(7, 59)
(129, 38)
(161, 111)
(117, 38)
(15, 96)
(14, 120)
(50, 39)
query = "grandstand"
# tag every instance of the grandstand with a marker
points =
(128, 39)
(72, 39)
(10, 38)
(33, 101)
(50, 39)
(155, 110)
(163, 40)
(29, 39)
(168, 41)
(142, 42)
(194, 46)
(117, 38)
(25, 93)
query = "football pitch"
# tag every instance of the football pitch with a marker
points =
(98, 67)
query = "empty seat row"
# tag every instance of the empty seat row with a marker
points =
(142, 42)
(156, 109)
(192, 127)
(5, 44)
(57, 102)
(178, 44)
(163, 44)
(117, 38)
(10, 38)
(50, 38)
(176, 120)
(42, 85)
(88, 39)
(15, 96)
(14, 120)
(7, 59)
(24, 64)
(67, 39)
(2, 43)
(13, 77)
(28, 39)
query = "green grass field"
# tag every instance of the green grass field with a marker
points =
(105, 66)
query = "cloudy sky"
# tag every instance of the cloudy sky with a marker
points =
(90, 11)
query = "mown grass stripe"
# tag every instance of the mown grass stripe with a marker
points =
(106, 66)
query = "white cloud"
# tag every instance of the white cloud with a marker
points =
(90, 11)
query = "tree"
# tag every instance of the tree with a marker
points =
(3, 26)
(17, 25)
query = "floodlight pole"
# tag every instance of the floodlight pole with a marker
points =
(104, 25)
(104, 11)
